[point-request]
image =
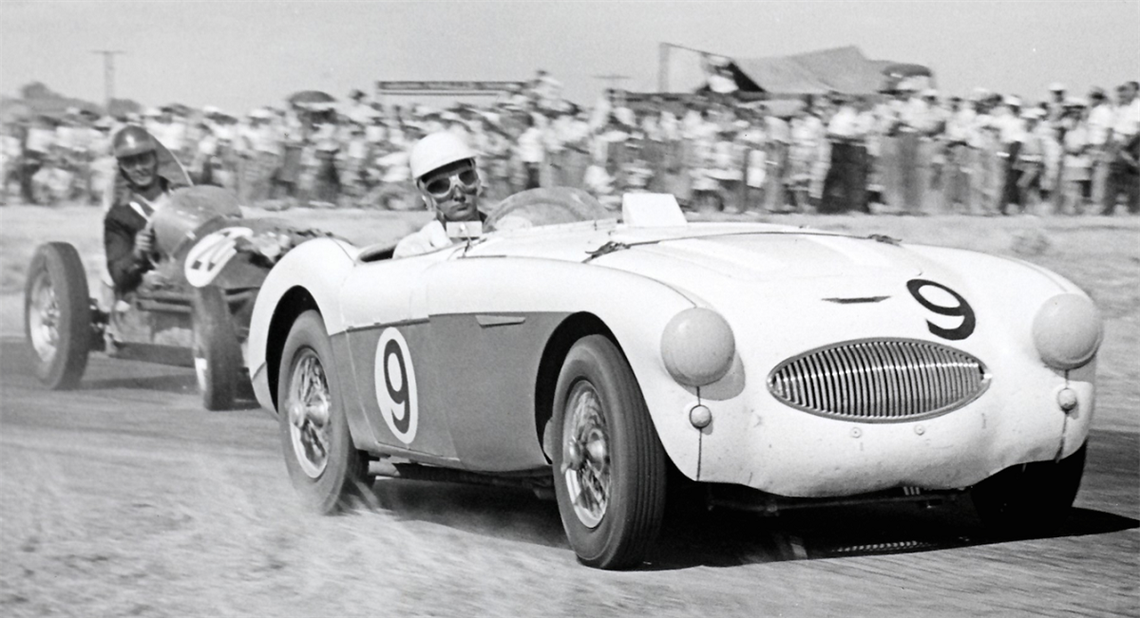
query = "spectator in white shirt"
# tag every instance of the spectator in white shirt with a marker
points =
(1123, 151)
(1099, 122)
(844, 186)
(1076, 164)
(1126, 117)
(531, 152)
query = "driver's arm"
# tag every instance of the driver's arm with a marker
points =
(429, 238)
(119, 244)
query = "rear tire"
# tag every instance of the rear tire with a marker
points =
(217, 354)
(1030, 499)
(610, 471)
(57, 315)
(326, 469)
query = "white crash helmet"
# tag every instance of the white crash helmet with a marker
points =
(437, 150)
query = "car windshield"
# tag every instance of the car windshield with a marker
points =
(547, 206)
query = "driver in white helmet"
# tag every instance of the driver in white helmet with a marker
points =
(443, 168)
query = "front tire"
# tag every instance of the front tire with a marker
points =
(57, 315)
(326, 469)
(217, 354)
(609, 466)
(1032, 498)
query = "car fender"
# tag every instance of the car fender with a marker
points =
(1012, 291)
(319, 267)
(635, 309)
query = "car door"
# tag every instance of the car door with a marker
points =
(486, 358)
(393, 359)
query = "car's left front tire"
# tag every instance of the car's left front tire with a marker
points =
(324, 466)
(610, 470)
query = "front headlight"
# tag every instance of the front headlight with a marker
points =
(1067, 331)
(697, 347)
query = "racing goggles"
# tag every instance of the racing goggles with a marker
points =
(442, 187)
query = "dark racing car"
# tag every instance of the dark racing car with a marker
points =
(193, 308)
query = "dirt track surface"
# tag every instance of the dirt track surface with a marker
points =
(125, 498)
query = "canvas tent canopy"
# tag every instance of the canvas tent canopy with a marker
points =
(840, 70)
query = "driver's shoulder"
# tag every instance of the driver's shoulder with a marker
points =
(120, 213)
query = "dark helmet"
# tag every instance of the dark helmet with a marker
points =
(132, 141)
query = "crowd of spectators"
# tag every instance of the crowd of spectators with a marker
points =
(903, 151)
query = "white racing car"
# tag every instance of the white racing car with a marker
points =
(772, 364)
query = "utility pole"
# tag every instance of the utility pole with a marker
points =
(108, 75)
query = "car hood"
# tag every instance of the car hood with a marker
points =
(773, 257)
(825, 287)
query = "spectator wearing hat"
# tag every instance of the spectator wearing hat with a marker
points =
(1055, 106)
(1011, 132)
(356, 153)
(986, 164)
(886, 165)
(202, 164)
(531, 152)
(1029, 168)
(37, 141)
(807, 132)
(359, 110)
(324, 176)
(777, 139)
(957, 162)
(845, 187)
(546, 90)
(1100, 120)
(1076, 171)
(260, 147)
(1124, 152)
(574, 135)
(917, 124)
(1050, 132)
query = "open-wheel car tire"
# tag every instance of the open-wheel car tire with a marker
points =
(1030, 499)
(217, 353)
(324, 466)
(609, 466)
(57, 315)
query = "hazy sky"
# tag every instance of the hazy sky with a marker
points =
(241, 54)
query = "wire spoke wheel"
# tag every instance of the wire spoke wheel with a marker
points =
(608, 464)
(586, 461)
(57, 315)
(43, 318)
(308, 408)
(325, 467)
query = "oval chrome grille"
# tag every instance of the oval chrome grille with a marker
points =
(879, 380)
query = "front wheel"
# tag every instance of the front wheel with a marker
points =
(326, 469)
(609, 466)
(1031, 498)
(217, 354)
(57, 315)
